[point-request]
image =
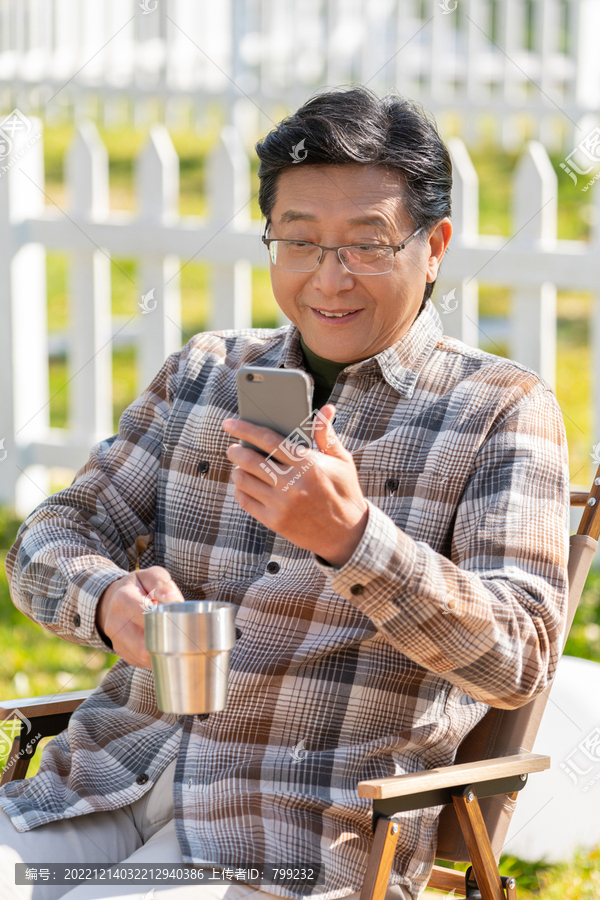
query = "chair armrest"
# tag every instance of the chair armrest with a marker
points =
(45, 716)
(49, 705)
(453, 776)
(579, 498)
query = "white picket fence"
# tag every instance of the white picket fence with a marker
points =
(532, 262)
(524, 64)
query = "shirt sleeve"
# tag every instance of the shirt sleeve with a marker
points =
(491, 618)
(81, 539)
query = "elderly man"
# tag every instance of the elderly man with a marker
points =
(412, 577)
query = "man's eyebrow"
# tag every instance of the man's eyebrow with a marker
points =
(294, 215)
(369, 220)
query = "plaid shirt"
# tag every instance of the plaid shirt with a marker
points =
(453, 601)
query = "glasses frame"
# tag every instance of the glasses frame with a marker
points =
(395, 247)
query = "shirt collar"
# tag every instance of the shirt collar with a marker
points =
(399, 364)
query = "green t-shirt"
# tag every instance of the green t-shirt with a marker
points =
(325, 373)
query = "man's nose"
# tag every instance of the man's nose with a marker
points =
(330, 277)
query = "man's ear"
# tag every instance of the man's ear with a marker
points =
(439, 238)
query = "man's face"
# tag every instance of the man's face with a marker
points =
(351, 204)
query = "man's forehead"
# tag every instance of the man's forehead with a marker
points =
(365, 195)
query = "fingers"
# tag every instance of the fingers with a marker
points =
(247, 483)
(124, 607)
(130, 644)
(124, 625)
(157, 585)
(267, 470)
(265, 438)
(251, 506)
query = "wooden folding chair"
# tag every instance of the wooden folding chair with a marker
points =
(492, 765)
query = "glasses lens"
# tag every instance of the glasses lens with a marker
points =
(368, 260)
(298, 256)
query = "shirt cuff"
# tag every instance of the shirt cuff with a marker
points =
(383, 547)
(78, 612)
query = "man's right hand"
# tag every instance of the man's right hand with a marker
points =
(120, 610)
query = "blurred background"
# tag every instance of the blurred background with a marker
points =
(129, 217)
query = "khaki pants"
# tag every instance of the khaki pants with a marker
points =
(143, 832)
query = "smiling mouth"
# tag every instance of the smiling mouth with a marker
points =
(335, 315)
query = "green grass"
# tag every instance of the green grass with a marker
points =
(578, 879)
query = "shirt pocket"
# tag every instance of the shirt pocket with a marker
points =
(421, 503)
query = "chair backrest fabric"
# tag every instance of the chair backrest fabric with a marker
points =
(502, 732)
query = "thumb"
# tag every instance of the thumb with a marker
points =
(325, 437)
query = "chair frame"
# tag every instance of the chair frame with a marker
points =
(461, 785)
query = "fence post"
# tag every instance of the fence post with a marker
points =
(90, 333)
(157, 186)
(458, 303)
(533, 319)
(24, 400)
(229, 195)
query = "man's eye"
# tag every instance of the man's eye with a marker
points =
(300, 244)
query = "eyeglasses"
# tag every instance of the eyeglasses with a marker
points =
(358, 259)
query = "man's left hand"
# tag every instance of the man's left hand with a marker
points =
(318, 505)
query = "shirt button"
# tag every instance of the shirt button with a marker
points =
(142, 779)
(203, 466)
(77, 620)
(273, 568)
(238, 633)
(357, 589)
(203, 716)
(392, 484)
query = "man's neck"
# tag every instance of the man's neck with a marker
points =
(324, 371)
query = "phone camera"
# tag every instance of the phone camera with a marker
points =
(249, 377)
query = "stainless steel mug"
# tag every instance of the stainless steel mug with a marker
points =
(189, 643)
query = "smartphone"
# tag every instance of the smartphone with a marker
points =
(276, 398)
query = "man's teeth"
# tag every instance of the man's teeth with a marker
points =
(331, 315)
